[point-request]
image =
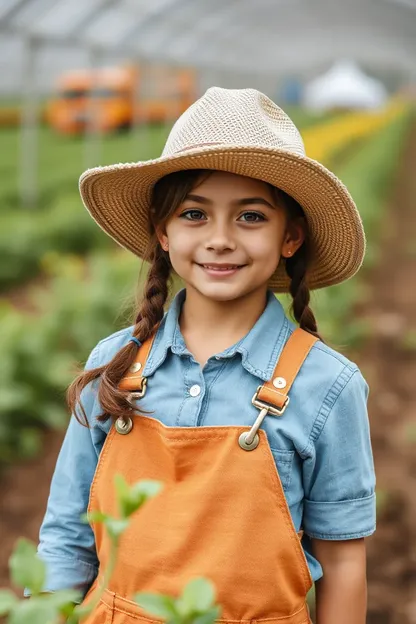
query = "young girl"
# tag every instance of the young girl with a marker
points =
(257, 428)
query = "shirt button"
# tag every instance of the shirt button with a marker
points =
(195, 390)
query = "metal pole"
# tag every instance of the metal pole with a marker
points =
(93, 135)
(140, 134)
(29, 127)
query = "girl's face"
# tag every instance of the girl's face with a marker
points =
(226, 238)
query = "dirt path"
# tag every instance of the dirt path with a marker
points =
(389, 365)
(390, 369)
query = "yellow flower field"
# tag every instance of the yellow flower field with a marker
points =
(324, 140)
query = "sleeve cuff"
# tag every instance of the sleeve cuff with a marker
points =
(65, 573)
(342, 520)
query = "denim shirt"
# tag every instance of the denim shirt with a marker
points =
(321, 445)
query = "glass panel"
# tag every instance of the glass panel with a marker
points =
(66, 17)
(110, 25)
(6, 6)
(30, 12)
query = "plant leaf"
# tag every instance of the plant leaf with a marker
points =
(37, 610)
(131, 498)
(198, 596)
(208, 617)
(26, 569)
(94, 516)
(64, 597)
(156, 604)
(7, 601)
(148, 488)
(116, 526)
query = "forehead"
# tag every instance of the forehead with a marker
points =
(232, 185)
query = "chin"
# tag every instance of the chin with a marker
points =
(224, 292)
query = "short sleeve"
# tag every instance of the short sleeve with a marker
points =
(339, 477)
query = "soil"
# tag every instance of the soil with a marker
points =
(388, 361)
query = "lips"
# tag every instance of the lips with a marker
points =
(221, 267)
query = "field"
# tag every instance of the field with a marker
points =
(64, 285)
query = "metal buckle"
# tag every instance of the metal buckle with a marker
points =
(140, 393)
(271, 408)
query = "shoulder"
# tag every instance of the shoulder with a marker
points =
(107, 348)
(329, 364)
(327, 380)
(339, 371)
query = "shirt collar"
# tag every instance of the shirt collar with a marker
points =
(259, 349)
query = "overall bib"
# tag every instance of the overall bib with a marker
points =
(221, 514)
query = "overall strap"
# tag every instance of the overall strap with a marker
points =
(133, 381)
(273, 395)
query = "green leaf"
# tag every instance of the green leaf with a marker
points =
(131, 498)
(94, 516)
(198, 595)
(116, 526)
(37, 610)
(156, 604)
(148, 488)
(121, 485)
(7, 601)
(26, 569)
(208, 617)
(64, 597)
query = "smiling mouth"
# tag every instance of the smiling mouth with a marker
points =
(221, 267)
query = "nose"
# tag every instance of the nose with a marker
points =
(220, 239)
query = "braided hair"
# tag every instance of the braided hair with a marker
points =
(297, 270)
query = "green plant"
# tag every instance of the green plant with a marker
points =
(196, 605)
(38, 352)
(379, 158)
(60, 222)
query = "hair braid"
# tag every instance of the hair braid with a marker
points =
(115, 402)
(296, 268)
(155, 295)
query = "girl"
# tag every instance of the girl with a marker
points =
(257, 429)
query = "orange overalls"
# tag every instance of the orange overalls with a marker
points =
(221, 514)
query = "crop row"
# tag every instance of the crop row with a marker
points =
(324, 142)
(59, 222)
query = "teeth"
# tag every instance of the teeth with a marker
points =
(215, 268)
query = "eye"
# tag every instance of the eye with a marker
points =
(252, 217)
(193, 215)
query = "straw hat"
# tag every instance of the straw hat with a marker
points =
(240, 131)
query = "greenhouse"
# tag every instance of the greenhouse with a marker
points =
(97, 83)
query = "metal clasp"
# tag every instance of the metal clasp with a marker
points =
(250, 440)
(271, 408)
(140, 393)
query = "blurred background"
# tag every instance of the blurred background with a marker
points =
(98, 82)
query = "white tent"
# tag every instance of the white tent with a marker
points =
(344, 86)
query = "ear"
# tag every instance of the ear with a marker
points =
(294, 237)
(163, 239)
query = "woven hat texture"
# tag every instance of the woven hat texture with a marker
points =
(243, 132)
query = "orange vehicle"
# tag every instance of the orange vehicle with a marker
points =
(111, 99)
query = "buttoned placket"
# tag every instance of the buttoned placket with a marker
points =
(197, 382)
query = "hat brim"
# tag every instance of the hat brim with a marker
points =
(118, 198)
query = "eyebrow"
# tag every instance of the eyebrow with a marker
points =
(245, 201)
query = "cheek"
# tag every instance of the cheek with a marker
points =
(265, 247)
(181, 242)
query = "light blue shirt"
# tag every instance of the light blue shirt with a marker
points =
(321, 445)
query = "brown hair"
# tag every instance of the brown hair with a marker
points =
(168, 194)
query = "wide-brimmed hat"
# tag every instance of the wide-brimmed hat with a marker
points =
(243, 132)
